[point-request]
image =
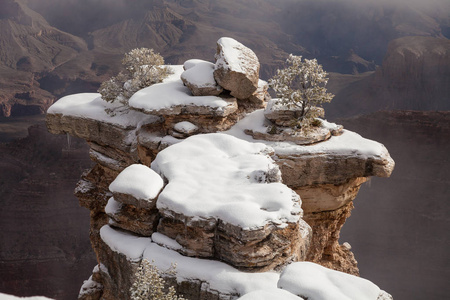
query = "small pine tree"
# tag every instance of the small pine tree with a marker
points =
(142, 68)
(149, 284)
(301, 87)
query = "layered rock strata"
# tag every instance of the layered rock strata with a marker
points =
(327, 175)
(216, 197)
(225, 200)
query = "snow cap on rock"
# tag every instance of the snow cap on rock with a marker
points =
(199, 78)
(312, 281)
(139, 181)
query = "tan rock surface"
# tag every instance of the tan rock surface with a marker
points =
(142, 221)
(325, 248)
(258, 99)
(313, 169)
(327, 197)
(89, 129)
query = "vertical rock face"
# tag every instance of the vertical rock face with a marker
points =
(214, 203)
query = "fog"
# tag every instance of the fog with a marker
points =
(328, 29)
(324, 27)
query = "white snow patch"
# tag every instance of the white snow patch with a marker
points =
(130, 245)
(272, 294)
(165, 241)
(185, 127)
(89, 286)
(211, 176)
(349, 143)
(139, 181)
(171, 92)
(177, 70)
(329, 125)
(100, 268)
(199, 73)
(229, 57)
(11, 297)
(220, 276)
(315, 282)
(92, 106)
(112, 207)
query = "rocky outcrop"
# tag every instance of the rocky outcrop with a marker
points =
(217, 196)
(328, 176)
(208, 219)
(281, 129)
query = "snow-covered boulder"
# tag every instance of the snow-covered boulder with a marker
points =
(184, 129)
(199, 78)
(225, 199)
(137, 185)
(171, 97)
(236, 68)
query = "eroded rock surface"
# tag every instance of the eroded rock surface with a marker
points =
(220, 196)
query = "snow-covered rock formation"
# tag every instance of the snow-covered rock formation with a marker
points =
(183, 177)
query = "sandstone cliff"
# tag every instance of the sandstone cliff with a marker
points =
(414, 75)
(30, 48)
(228, 208)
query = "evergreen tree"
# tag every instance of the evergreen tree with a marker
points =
(301, 87)
(142, 68)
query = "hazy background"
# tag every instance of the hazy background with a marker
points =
(389, 64)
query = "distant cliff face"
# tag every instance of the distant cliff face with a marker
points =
(44, 247)
(30, 48)
(46, 55)
(414, 75)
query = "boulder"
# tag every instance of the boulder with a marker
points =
(199, 78)
(137, 185)
(236, 68)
